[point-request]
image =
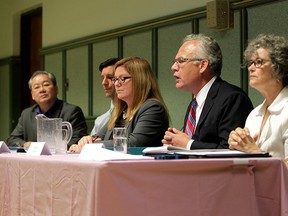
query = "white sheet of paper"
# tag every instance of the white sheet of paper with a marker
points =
(89, 150)
(221, 152)
(3, 147)
(102, 154)
(38, 148)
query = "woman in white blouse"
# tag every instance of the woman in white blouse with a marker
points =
(266, 127)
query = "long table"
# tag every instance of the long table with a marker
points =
(64, 185)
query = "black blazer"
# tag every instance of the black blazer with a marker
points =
(147, 127)
(226, 108)
(26, 129)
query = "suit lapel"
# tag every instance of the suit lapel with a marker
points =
(211, 96)
(57, 109)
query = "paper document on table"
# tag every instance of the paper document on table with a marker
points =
(220, 153)
(103, 154)
(162, 149)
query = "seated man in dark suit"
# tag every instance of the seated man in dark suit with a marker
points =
(44, 90)
(217, 106)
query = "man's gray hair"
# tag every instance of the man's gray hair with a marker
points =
(50, 75)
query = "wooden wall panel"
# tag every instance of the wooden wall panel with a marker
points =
(4, 102)
(54, 64)
(77, 77)
(101, 52)
(169, 41)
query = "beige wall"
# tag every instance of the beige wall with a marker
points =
(65, 20)
(10, 12)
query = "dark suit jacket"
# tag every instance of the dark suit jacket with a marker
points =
(26, 129)
(148, 126)
(226, 108)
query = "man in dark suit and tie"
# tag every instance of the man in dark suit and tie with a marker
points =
(220, 106)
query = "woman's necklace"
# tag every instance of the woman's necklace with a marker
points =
(124, 116)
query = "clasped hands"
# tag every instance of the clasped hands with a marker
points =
(240, 139)
(175, 137)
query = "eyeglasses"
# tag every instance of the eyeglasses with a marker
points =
(257, 63)
(120, 80)
(181, 60)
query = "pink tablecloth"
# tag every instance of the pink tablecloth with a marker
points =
(63, 185)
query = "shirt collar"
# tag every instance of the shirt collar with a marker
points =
(49, 113)
(201, 96)
(277, 105)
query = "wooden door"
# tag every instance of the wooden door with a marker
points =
(31, 43)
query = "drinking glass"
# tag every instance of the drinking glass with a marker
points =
(120, 139)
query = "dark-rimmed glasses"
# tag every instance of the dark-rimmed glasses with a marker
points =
(181, 60)
(120, 80)
(257, 63)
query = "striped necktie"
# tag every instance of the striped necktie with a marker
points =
(191, 121)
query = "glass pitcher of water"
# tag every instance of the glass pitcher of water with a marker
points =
(54, 132)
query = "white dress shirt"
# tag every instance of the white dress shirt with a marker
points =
(274, 135)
